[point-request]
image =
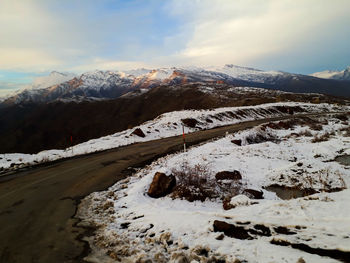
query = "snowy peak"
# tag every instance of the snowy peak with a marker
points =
(54, 78)
(333, 74)
(113, 84)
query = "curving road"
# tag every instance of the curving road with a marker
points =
(37, 206)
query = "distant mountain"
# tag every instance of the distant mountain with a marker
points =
(330, 74)
(101, 85)
(54, 78)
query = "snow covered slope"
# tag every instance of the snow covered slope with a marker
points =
(250, 74)
(133, 227)
(54, 78)
(329, 74)
(167, 125)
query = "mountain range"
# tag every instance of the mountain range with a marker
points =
(331, 74)
(101, 85)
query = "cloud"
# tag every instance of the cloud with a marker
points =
(45, 35)
(103, 64)
(24, 59)
(54, 34)
(242, 32)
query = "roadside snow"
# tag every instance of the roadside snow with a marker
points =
(165, 125)
(132, 227)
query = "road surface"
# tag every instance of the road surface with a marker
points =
(37, 206)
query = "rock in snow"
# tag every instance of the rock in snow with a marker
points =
(161, 185)
(227, 175)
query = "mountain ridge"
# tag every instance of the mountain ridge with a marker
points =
(334, 74)
(109, 84)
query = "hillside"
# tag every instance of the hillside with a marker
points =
(30, 128)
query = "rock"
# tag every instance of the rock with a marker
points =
(138, 132)
(283, 230)
(262, 230)
(161, 185)
(220, 237)
(254, 194)
(124, 225)
(190, 122)
(237, 142)
(226, 175)
(238, 200)
(231, 230)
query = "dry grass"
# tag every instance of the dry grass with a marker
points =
(322, 138)
(321, 181)
(305, 133)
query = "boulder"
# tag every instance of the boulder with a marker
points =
(237, 142)
(138, 132)
(231, 230)
(254, 194)
(190, 122)
(161, 185)
(227, 175)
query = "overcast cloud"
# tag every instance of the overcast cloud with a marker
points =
(303, 36)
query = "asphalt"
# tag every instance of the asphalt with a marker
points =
(37, 206)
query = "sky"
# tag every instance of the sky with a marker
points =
(39, 36)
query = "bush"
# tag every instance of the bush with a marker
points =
(198, 183)
(321, 138)
(260, 137)
(305, 133)
(193, 183)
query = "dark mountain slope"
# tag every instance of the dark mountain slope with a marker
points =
(30, 128)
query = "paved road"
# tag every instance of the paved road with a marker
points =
(37, 206)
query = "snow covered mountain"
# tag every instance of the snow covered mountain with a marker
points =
(54, 78)
(331, 74)
(98, 85)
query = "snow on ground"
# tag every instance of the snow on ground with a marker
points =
(165, 125)
(133, 227)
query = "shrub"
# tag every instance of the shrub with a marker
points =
(198, 183)
(305, 133)
(322, 181)
(315, 126)
(193, 183)
(321, 138)
(342, 117)
(260, 137)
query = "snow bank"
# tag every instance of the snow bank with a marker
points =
(137, 227)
